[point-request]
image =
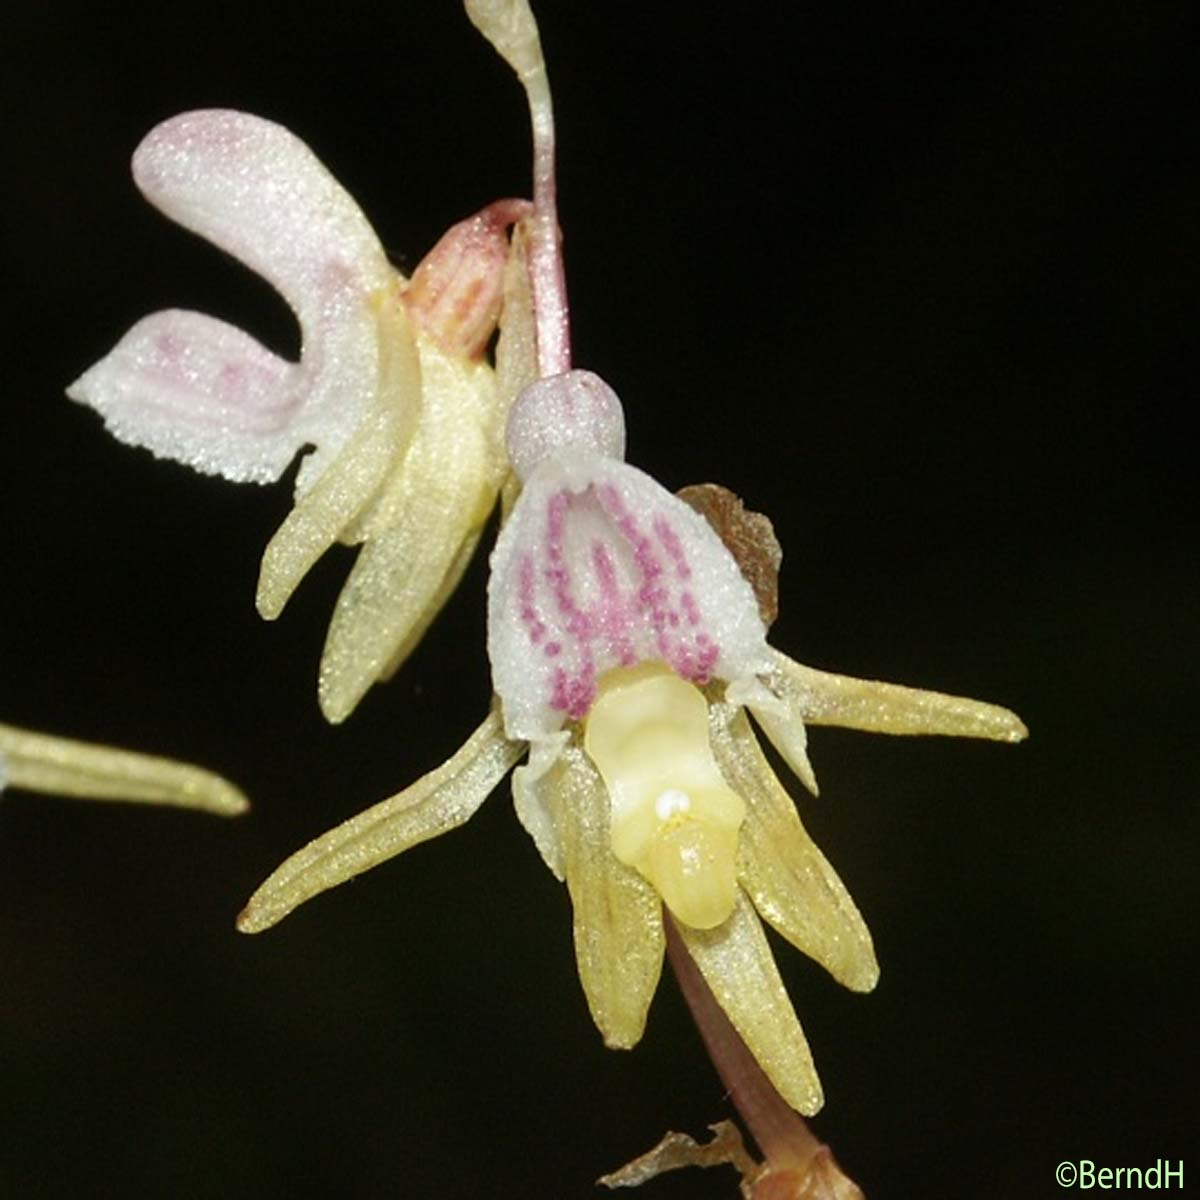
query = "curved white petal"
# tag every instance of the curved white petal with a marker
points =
(599, 566)
(256, 191)
(196, 390)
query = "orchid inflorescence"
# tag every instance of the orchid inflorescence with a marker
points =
(627, 645)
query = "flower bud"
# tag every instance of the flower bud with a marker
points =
(455, 293)
(576, 409)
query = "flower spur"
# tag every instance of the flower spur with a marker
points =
(626, 648)
(391, 388)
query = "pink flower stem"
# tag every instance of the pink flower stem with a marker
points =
(781, 1134)
(546, 275)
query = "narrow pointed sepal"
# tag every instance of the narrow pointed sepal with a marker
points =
(37, 762)
(619, 939)
(351, 480)
(418, 531)
(790, 881)
(821, 698)
(740, 970)
(435, 804)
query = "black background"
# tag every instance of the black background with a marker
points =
(923, 291)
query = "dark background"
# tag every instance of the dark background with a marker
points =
(923, 291)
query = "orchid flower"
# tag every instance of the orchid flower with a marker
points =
(391, 388)
(37, 762)
(627, 651)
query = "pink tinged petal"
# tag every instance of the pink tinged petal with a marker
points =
(576, 411)
(198, 391)
(256, 191)
(435, 804)
(599, 567)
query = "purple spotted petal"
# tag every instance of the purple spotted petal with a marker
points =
(191, 388)
(598, 567)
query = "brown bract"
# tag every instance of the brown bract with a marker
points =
(748, 536)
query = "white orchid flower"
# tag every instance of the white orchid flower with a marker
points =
(627, 648)
(391, 388)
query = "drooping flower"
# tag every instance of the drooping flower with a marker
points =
(627, 648)
(391, 387)
(38, 762)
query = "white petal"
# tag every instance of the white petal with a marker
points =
(253, 189)
(258, 192)
(533, 800)
(780, 723)
(191, 388)
(599, 566)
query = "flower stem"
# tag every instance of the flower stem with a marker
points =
(780, 1132)
(546, 273)
(797, 1166)
(510, 26)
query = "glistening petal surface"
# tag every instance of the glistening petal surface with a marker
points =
(256, 191)
(738, 967)
(436, 803)
(597, 567)
(618, 919)
(791, 882)
(58, 766)
(821, 698)
(193, 389)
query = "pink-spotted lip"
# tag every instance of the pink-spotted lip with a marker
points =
(599, 568)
